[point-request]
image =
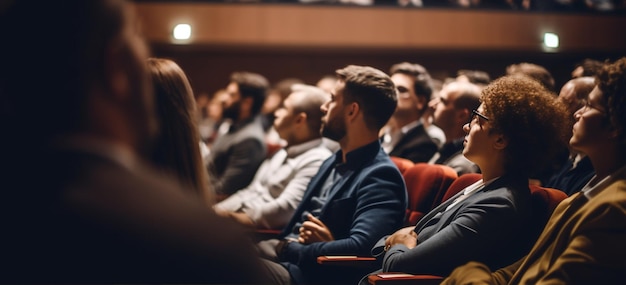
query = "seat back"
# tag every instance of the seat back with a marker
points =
(424, 183)
(544, 200)
(461, 183)
(403, 164)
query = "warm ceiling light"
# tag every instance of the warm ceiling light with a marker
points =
(551, 40)
(182, 32)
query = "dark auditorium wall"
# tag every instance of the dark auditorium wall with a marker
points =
(307, 42)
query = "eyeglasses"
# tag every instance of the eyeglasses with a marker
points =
(474, 114)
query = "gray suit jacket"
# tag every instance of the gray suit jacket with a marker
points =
(236, 156)
(488, 226)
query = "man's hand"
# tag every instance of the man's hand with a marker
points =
(242, 218)
(314, 230)
(406, 236)
(239, 217)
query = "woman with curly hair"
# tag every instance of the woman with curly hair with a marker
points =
(517, 127)
(583, 242)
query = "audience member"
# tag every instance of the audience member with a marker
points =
(211, 117)
(176, 148)
(405, 135)
(535, 71)
(427, 118)
(576, 170)
(327, 83)
(515, 128)
(583, 240)
(237, 154)
(588, 67)
(478, 77)
(274, 100)
(357, 196)
(81, 205)
(279, 184)
(452, 109)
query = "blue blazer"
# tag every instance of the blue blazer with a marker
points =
(368, 203)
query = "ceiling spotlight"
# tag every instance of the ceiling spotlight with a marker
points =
(182, 32)
(551, 40)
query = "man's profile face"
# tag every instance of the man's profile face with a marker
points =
(333, 121)
(231, 103)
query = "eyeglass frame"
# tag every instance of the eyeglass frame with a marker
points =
(476, 113)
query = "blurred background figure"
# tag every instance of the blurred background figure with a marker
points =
(477, 77)
(452, 109)
(273, 102)
(588, 67)
(177, 148)
(535, 71)
(405, 134)
(279, 184)
(237, 154)
(327, 82)
(577, 169)
(210, 115)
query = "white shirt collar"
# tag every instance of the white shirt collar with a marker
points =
(592, 188)
(293, 151)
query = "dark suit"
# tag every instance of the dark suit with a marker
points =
(236, 156)
(416, 145)
(82, 216)
(490, 225)
(367, 203)
(570, 179)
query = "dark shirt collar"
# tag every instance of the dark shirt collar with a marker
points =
(357, 157)
(448, 149)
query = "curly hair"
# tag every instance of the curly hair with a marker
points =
(530, 117)
(611, 80)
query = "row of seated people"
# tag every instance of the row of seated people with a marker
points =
(279, 184)
(471, 225)
(426, 126)
(565, 250)
(490, 221)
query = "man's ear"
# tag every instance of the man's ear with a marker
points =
(500, 142)
(301, 118)
(353, 110)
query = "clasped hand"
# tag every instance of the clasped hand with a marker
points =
(314, 230)
(406, 236)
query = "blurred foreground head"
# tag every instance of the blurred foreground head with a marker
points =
(81, 71)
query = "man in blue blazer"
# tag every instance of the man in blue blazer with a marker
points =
(358, 195)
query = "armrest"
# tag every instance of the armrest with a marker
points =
(265, 234)
(398, 278)
(346, 260)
